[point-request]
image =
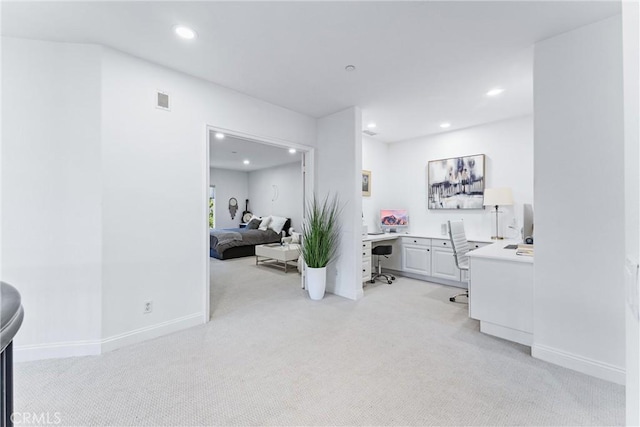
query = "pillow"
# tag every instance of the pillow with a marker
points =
(264, 224)
(287, 226)
(277, 223)
(253, 224)
(295, 237)
(254, 217)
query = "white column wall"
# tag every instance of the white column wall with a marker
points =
(51, 177)
(338, 171)
(631, 49)
(579, 200)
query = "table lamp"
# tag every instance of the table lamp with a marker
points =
(497, 197)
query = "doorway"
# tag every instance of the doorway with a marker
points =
(252, 175)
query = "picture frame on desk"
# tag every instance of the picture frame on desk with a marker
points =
(456, 183)
(366, 183)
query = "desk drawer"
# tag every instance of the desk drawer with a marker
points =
(441, 243)
(417, 241)
(366, 249)
(366, 269)
(477, 245)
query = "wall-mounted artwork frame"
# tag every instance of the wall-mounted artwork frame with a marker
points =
(366, 183)
(456, 183)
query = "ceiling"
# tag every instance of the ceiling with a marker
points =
(230, 152)
(418, 63)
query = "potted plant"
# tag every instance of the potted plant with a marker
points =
(320, 240)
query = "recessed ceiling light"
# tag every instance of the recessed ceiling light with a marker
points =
(495, 92)
(350, 68)
(372, 125)
(246, 162)
(445, 125)
(292, 150)
(184, 32)
(219, 135)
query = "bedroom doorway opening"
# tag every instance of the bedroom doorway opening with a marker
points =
(251, 176)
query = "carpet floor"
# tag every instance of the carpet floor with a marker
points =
(402, 355)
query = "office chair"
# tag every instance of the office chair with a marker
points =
(379, 251)
(461, 248)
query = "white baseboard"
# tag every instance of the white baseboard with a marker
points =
(92, 348)
(56, 350)
(505, 333)
(150, 332)
(585, 365)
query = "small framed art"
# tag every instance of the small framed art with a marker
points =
(366, 183)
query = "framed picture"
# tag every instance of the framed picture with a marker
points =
(456, 183)
(366, 183)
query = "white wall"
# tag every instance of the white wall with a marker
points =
(631, 49)
(286, 201)
(508, 149)
(229, 183)
(108, 195)
(375, 158)
(579, 200)
(51, 179)
(339, 166)
(156, 246)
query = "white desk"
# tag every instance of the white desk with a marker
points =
(501, 292)
(381, 237)
(367, 243)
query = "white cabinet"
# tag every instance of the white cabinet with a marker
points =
(422, 258)
(501, 293)
(366, 261)
(443, 264)
(416, 255)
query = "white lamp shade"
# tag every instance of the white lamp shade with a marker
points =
(498, 197)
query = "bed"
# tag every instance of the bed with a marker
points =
(239, 242)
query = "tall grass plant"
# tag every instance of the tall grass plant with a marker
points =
(321, 231)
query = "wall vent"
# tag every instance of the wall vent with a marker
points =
(369, 132)
(162, 101)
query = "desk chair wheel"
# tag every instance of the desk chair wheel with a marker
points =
(463, 294)
(372, 281)
(389, 282)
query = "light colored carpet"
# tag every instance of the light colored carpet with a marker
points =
(403, 355)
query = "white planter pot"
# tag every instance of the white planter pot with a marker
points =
(316, 282)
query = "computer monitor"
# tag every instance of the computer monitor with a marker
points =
(527, 221)
(391, 220)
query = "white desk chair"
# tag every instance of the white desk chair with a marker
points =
(461, 248)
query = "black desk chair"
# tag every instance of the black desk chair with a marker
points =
(379, 251)
(461, 248)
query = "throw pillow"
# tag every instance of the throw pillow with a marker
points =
(264, 224)
(287, 227)
(253, 224)
(277, 222)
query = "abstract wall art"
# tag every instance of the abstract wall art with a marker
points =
(456, 183)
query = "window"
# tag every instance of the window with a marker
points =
(212, 207)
